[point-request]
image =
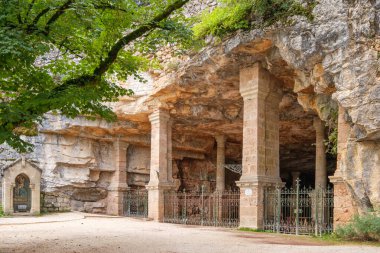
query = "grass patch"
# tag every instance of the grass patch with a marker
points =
(361, 228)
(1, 211)
(335, 239)
(254, 230)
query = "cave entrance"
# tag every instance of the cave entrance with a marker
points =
(303, 146)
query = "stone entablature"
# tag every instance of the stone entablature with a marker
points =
(25, 178)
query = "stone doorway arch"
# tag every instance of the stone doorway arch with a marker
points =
(22, 194)
(21, 187)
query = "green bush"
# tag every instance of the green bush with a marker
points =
(232, 15)
(1, 211)
(364, 227)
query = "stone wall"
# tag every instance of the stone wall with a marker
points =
(138, 166)
(55, 202)
(195, 173)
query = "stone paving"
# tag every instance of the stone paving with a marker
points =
(76, 232)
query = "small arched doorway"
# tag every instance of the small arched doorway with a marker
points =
(22, 194)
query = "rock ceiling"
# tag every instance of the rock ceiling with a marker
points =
(203, 100)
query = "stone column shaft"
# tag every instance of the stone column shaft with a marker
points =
(170, 154)
(260, 142)
(344, 206)
(118, 184)
(160, 164)
(272, 135)
(343, 136)
(320, 154)
(220, 161)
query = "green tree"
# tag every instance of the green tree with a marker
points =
(65, 55)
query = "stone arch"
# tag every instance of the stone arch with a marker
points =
(22, 193)
(13, 175)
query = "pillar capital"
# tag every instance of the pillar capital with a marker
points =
(159, 115)
(220, 140)
(318, 125)
(336, 179)
(253, 82)
(121, 144)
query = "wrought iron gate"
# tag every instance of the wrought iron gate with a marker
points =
(136, 203)
(299, 210)
(202, 208)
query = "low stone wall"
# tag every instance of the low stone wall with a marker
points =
(53, 202)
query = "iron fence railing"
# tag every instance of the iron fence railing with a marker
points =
(299, 211)
(202, 208)
(136, 203)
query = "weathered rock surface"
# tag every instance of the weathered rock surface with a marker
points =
(332, 61)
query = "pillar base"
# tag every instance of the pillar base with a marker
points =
(156, 200)
(344, 206)
(252, 200)
(115, 200)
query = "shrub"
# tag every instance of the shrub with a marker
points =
(232, 15)
(1, 211)
(364, 227)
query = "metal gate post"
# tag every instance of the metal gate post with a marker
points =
(185, 208)
(328, 204)
(322, 199)
(297, 206)
(202, 205)
(316, 211)
(216, 207)
(129, 203)
(278, 211)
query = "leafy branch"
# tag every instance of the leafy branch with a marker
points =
(72, 88)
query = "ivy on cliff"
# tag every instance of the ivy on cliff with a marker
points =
(232, 15)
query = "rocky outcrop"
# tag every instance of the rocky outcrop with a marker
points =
(331, 62)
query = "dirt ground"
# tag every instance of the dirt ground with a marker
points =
(79, 233)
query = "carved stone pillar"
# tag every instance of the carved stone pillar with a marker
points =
(260, 142)
(35, 201)
(320, 154)
(160, 163)
(344, 206)
(220, 161)
(118, 185)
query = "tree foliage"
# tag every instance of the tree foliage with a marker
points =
(232, 15)
(65, 55)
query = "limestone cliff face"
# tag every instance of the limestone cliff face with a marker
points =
(337, 59)
(334, 61)
(339, 55)
(331, 62)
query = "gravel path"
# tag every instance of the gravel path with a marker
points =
(105, 234)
